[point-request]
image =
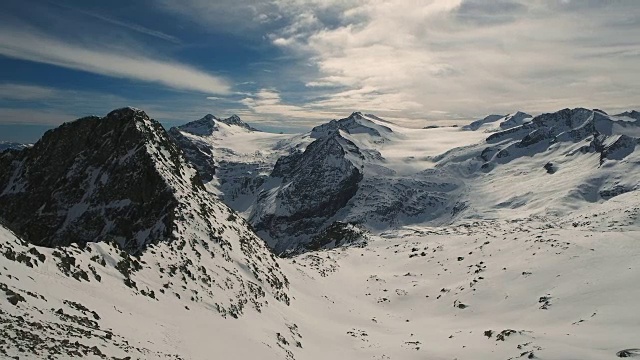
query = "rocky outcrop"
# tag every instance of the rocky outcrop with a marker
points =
(310, 187)
(92, 180)
(605, 135)
(122, 180)
(198, 153)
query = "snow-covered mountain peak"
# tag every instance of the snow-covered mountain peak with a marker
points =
(493, 123)
(355, 124)
(356, 115)
(513, 120)
(235, 120)
(490, 119)
(128, 112)
(633, 114)
(211, 124)
(101, 180)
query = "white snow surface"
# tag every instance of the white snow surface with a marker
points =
(566, 289)
(538, 266)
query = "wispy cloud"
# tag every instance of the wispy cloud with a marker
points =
(237, 16)
(127, 25)
(19, 116)
(462, 58)
(268, 103)
(33, 104)
(24, 92)
(27, 44)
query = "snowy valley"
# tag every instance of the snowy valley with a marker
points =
(511, 237)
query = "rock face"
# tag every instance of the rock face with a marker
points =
(118, 178)
(92, 180)
(199, 154)
(606, 135)
(122, 179)
(307, 188)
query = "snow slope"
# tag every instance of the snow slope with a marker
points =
(365, 171)
(190, 245)
(525, 288)
(72, 302)
(233, 157)
(505, 289)
(359, 170)
(551, 166)
(449, 243)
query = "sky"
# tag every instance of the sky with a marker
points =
(287, 65)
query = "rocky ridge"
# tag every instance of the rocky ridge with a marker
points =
(121, 180)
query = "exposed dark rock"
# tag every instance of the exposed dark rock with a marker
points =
(614, 191)
(91, 180)
(337, 234)
(628, 353)
(315, 184)
(200, 155)
(550, 167)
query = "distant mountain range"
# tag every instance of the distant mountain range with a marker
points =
(363, 171)
(121, 239)
(4, 145)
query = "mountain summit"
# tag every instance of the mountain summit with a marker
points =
(122, 179)
(210, 124)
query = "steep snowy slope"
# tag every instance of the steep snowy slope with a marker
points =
(365, 172)
(552, 165)
(98, 302)
(454, 251)
(233, 158)
(359, 170)
(97, 185)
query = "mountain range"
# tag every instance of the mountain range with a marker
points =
(511, 237)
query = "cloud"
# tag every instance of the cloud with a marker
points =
(468, 57)
(23, 92)
(236, 16)
(34, 104)
(18, 116)
(490, 12)
(30, 45)
(268, 103)
(113, 21)
(131, 26)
